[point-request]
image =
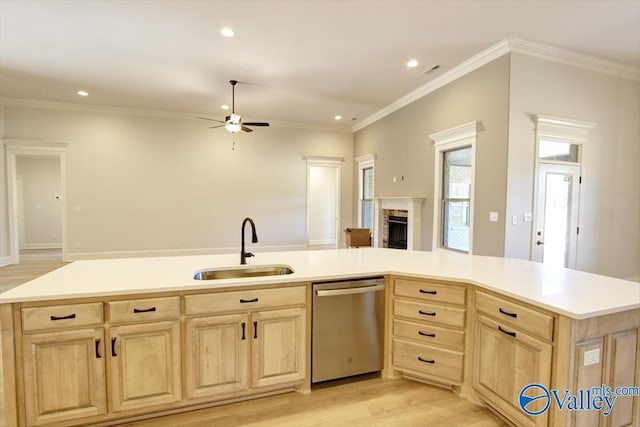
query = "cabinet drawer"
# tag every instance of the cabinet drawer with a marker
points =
(534, 322)
(429, 291)
(221, 302)
(434, 361)
(61, 317)
(429, 334)
(429, 312)
(143, 310)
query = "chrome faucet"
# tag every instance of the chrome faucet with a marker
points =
(254, 239)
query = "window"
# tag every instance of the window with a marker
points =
(366, 201)
(453, 188)
(456, 198)
(365, 190)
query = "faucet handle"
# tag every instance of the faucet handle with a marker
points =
(248, 255)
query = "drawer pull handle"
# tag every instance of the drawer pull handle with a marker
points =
(422, 291)
(244, 301)
(144, 310)
(113, 347)
(424, 334)
(255, 330)
(427, 313)
(506, 313)
(513, 334)
(71, 316)
(244, 327)
(425, 360)
(98, 355)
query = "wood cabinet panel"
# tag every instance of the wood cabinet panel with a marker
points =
(217, 357)
(435, 361)
(624, 353)
(56, 317)
(145, 365)
(428, 312)
(64, 375)
(144, 310)
(248, 300)
(517, 315)
(430, 291)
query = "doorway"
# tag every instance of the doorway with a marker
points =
(556, 230)
(323, 203)
(36, 232)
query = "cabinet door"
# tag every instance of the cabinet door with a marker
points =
(506, 360)
(278, 347)
(145, 365)
(216, 355)
(64, 375)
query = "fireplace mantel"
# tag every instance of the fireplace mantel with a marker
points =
(412, 204)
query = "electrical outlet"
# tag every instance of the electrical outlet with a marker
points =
(493, 216)
(592, 357)
(527, 216)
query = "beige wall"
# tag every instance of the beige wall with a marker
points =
(610, 196)
(41, 219)
(139, 183)
(403, 148)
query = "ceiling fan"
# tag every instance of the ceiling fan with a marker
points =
(234, 123)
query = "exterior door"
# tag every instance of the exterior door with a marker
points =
(555, 236)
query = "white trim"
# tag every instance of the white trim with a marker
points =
(365, 161)
(322, 160)
(494, 52)
(562, 129)
(456, 137)
(568, 57)
(66, 106)
(42, 246)
(77, 256)
(17, 147)
(486, 56)
(413, 206)
(5, 260)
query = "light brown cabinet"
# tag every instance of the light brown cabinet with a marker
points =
(427, 329)
(63, 362)
(243, 341)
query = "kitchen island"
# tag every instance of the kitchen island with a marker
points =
(501, 324)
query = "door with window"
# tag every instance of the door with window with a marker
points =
(556, 226)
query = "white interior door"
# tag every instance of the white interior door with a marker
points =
(555, 235)
(323, 205)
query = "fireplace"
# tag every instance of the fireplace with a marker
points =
(397, 238)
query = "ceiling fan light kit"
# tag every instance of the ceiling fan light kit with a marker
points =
(233, 123)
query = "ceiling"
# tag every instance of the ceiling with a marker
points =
(297, 61)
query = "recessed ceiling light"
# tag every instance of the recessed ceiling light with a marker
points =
(412, 63)
(224, 107)
(83, 93)
(227, 32)
(337, 117)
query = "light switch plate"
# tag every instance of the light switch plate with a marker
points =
(592, 357)
(514, 220)
(493, 216)
(527, 217)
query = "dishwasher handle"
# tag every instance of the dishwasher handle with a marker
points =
(350, 291)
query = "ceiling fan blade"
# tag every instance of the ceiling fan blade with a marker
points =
(255, 123)
(246, 129)
(211, 120)
(213, 127)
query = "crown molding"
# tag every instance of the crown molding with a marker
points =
(575, 59)
(499, 49)
(494, 52)
(92, 108)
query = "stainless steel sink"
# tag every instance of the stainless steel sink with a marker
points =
(243, 271)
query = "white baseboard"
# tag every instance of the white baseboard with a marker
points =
(5, 260)
(77, 256)
(42, 246)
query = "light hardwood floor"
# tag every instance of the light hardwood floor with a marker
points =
(369, 402)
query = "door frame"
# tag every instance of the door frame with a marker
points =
(574, 169)
(329, 162)
(21, 147)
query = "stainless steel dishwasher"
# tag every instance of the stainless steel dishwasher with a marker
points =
(348, 328)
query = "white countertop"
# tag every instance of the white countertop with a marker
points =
(575, 294)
